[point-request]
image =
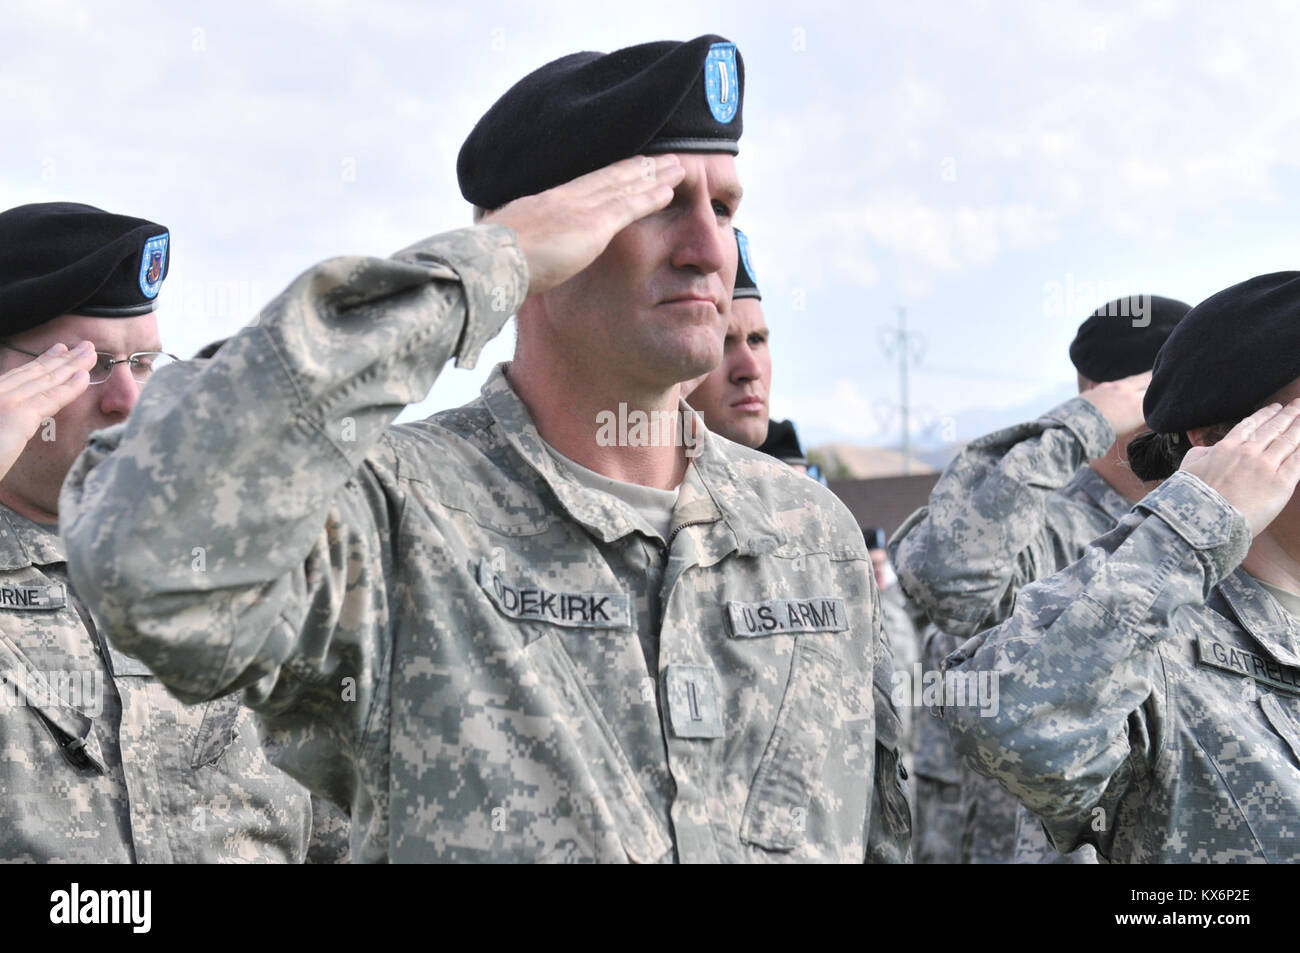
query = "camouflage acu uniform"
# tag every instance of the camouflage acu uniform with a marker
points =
(988, 819)
(485, 659)
(98, 763)
(937, 835)
(904, 650)
(1149, 694)
(1014, 507)
(331, 834)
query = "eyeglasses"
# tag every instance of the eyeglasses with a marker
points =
(142, 363)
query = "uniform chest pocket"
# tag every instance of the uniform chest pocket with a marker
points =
(57, 706)
(217, 732)
(614, 780)
(776, 811)
(217, 728)
(1282, 723)
(1250, 739)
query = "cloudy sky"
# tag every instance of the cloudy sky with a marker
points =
(998, 168)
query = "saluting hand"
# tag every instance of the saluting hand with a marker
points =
(37, 390)
(563, 230)
(1256, 466)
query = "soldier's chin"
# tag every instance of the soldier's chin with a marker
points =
(689, 386)
(697, 363)
(748, 431)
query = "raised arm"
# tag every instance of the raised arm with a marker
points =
(230, 525)
(986, 532)
(1075, 665)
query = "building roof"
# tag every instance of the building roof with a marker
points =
(885, 501)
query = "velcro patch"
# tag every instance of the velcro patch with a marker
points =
(1238, 661)
(693, 709)
(33, 597)
(752, 619)
(587, 610)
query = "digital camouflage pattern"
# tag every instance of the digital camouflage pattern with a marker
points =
(904, 648)
(331, 834)
(98, 763)
(1014, 507)
(904, 652)
(450, 635)
(331, 831)
(1032, 845)
(963, 817)
(988, 820)
(996, 521)
(937, 835)
(1149, 694)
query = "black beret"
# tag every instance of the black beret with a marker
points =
(65, 258)
(586, 110)
(1232, 351)
(746, 283)
(1123, 336)
(782, 442)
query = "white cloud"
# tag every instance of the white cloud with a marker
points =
(843, 411)
(908, 156)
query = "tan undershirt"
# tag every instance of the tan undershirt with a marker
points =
(655, 507)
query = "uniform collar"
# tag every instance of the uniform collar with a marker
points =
(24, 543)
(1090, 484)
(719, 511)
(1260, 615)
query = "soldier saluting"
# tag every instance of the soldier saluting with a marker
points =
(1016, 506)
(100, 764)
(1149, 692)
(358, 569)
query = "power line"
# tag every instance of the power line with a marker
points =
(908, 346)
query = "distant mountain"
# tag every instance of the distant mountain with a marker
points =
(864, 462)
(940, 457)
(849, 461)
(978, 421)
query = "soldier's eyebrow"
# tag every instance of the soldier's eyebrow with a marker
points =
(731, 194)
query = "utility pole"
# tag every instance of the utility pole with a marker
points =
(909, 347)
